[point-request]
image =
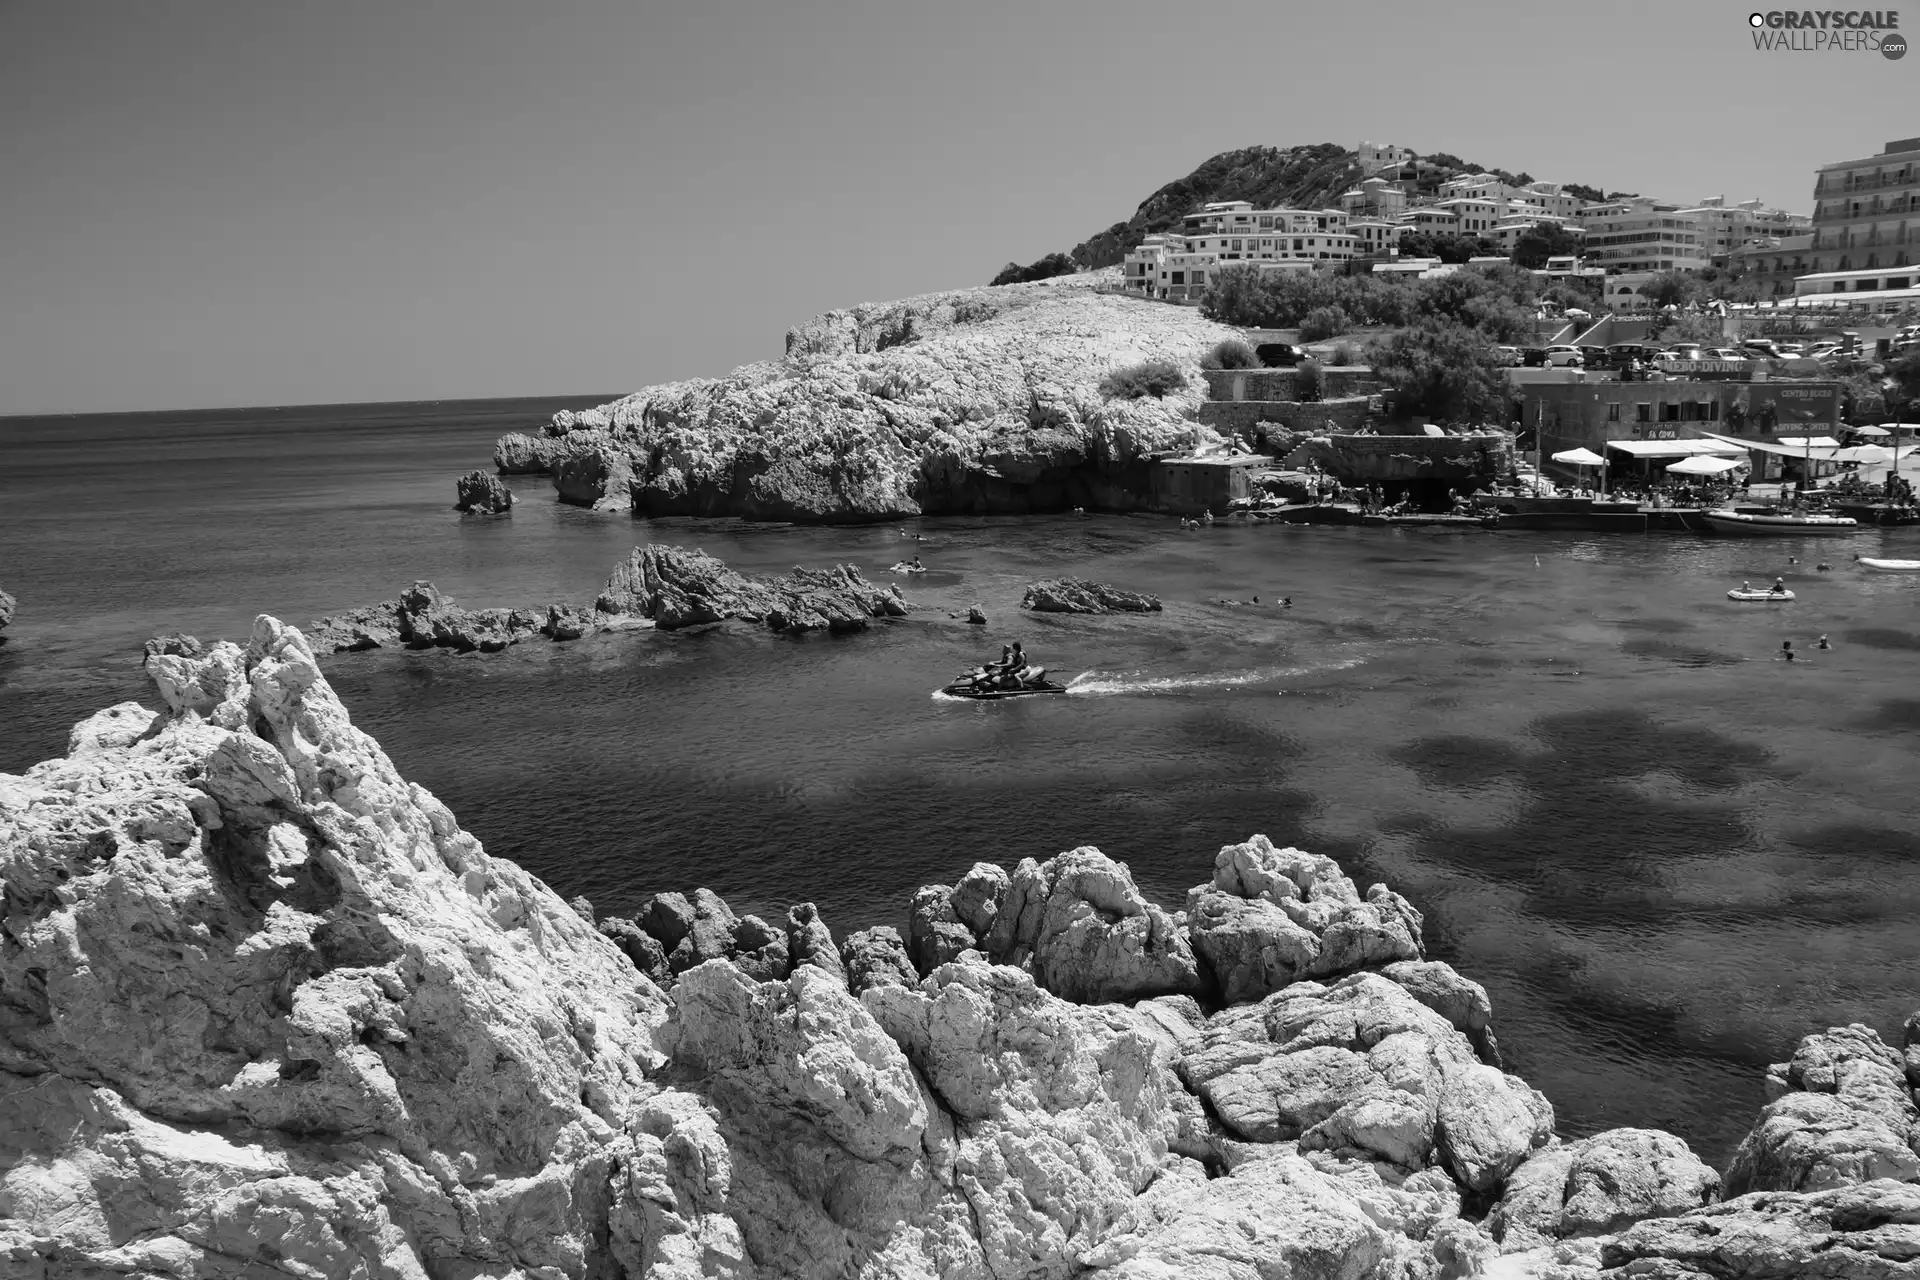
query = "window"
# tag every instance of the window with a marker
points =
(1643, 413)
(1180, 277)
(1613, 413)
(1669, 412)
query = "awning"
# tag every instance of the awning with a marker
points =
(1703, 466)
(1822, 449)
(1676, 448)
(1870, 431)
(1811, 442)
(1580, 458)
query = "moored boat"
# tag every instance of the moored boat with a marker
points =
(1881, 565)
(1759, 597)
(1746, 524)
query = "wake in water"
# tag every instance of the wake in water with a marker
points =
(1100, 684)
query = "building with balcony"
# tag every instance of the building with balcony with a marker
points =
(1772, 264)
(1432, 220)
(1724, 227)
(1473, 215)
(1881, 289)
(1866, 213)
(1642, 235)
(1374, 198)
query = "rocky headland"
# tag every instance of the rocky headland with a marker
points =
(657, 586)
(1078, 595)
(267, 1010)
(980, 401)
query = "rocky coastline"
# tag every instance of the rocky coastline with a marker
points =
(267, 1010)
(656, 586)
(975, 402)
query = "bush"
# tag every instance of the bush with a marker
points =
(1324, 322)
(1148, 378)
(1342, 355)
(974, 310)
(1230, 353)
(1054, 264)
(1443, 371)
(1308, 384)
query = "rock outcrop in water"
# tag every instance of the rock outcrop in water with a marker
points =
(1077, 595)
(265, 1010)
(479, 492)
(981, 401)
(675, 588)
(6, 610)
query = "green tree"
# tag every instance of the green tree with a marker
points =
(1903, 379)
(1543, 241)
(1671, 289)
(1443, 371)
(1054, 264)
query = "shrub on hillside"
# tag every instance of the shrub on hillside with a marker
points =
(1230, 353)
(1324, 322)
(1054, 264)
(1309, 384)
(1342, 355)
(1154, 378)
(974, 310)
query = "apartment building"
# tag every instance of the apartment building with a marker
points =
(1374, 198)
(1642, 235)
(1473, 215)
(1240, 218)
(1878, 288)
(1548, 199)
(1374, 237)
(1724, 227)
(1177, 267)
(1375, 156)
(1866, 213)
(1772, 264)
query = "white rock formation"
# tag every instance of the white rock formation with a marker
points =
(981, 400)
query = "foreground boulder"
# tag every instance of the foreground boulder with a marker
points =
(480, 492)
(326, 1034)
(6, 610)
(1599, 1185)
(675, 587)
(1077, 595)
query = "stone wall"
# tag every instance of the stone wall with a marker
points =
(1278, 384)
(1399, 459)
(1346, 414)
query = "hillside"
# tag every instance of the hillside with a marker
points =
(1306, 177)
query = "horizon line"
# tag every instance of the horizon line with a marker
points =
(303, 404)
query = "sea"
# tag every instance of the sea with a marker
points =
(1666, 853)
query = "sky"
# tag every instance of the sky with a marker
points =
(239, 203)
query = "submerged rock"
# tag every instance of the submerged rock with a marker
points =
(1077, 595)
(478, 491)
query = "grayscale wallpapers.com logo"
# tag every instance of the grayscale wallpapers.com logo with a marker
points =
(1829, 31)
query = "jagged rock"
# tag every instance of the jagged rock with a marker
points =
(708, 933)
(1459, 1000)
(1280, 1216)
(810, 942)
(935, 934)
(376, 626)
(1362, 1065)
(759, 950)
(1077, 595)
(1866, 1232)
(478, 491)
(1273, 916)
(639, 946)
(977, 897)
(961, 403)
(877, 957)
(1600, 1185)
(176, 643)
(428, 619)
(1078, 923)
(266, 1008)
(668, 917)
(597, 476)
(976, 616)
(565, 622)
(519, 454)
(680, 588)
(582, 907)
(7, 606)
(1843, 1113)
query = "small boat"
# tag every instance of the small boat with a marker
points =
(1760, 597)
(904, 567)
(966, 688)
(1747, 524)
(1888, 566)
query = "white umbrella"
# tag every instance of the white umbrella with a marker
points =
(1870, 431)
(1580, 458)
(1702, 465)
(1869, 453)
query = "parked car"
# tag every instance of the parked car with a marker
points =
(1596, 357)
(1721, 353)
(1279, 355)
(1760, 347)
(1533, 357)
(1821, 350)
(1622, 354)
(1507, 355)
(1684, 351)
(1560, 356)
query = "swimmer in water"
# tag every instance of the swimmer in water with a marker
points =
(1823, 566)
(1786, 650)
(1823, 643)
(1286, 602)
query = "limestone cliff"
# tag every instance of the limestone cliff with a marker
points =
(980, 401)
(267, 1011)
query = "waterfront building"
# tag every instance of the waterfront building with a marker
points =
(1586, 412)
(1866, 213)
(1642, 235)
(1877, 289)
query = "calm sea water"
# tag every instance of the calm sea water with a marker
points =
(1667, 854)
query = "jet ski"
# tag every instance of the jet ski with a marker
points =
(981, 688)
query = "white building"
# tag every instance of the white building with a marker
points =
(1374, 198)
(1373, 236)
(1432, 219)
(1473, 215)
(1375, 156)
(1725, 227)
(1878, 284)
(1642, 235)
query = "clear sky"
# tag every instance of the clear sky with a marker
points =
(211, 203)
